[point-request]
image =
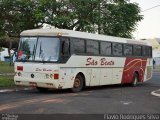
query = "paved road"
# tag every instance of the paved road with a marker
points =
(106, 99)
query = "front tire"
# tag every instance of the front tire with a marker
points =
(78, 84)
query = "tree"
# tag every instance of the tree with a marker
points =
(120, 19)
(116, 18)
(68, 14)
(16, 16)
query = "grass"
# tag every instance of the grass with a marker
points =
(6, 81)
(6, 68)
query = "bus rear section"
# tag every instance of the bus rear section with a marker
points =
(137, 70)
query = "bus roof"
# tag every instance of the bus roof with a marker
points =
(78, 34)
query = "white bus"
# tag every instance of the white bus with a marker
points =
(61, 59)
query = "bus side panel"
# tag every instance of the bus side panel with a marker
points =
(149, 69)
(117, 75)
(68, 75)
(94, 76)
(132, 65)
(143, 69)
(106, 76)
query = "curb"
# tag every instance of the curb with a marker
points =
(13, 89)
(6, 90)
(155, 93)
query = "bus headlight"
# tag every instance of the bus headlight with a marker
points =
(47, 76)
(19, 74)
(51, 76)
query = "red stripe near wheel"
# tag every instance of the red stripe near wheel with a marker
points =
(132, 65)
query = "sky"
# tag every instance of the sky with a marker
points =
(149, 27)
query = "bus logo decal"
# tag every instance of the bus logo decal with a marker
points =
(91, 62)
(44, 69)
(102, 62)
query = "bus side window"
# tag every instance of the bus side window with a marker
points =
(150, 51)
(147, 51)
(117, 49)
(137, 50)
(65, 49)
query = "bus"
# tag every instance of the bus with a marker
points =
(62, 59)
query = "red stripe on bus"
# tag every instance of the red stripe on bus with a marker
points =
(132, 65)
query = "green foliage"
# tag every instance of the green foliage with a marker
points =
(17, 15)
(1, 49)
(6, 77)
(6, 68)
(120, 19)
(116, 18)
(6, 81)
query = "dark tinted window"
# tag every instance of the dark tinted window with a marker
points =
(150, 51)
(117, 49)
(147, 51)
(137, 50)
(78, 45)
(106, 48)
(65, 45)
(92, 47)
(128, 49)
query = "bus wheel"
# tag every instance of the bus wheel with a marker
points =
(135, 80)
(42, 89)
(78, 84)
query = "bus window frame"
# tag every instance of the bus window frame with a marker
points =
(71, 52)
(58, 61)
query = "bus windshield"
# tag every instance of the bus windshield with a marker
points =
(39, 49)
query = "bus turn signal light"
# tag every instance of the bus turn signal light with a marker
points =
(20, 68)
(56, 76)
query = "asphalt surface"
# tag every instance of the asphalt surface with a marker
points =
(95, 100)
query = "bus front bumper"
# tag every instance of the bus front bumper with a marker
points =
(33, 83)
